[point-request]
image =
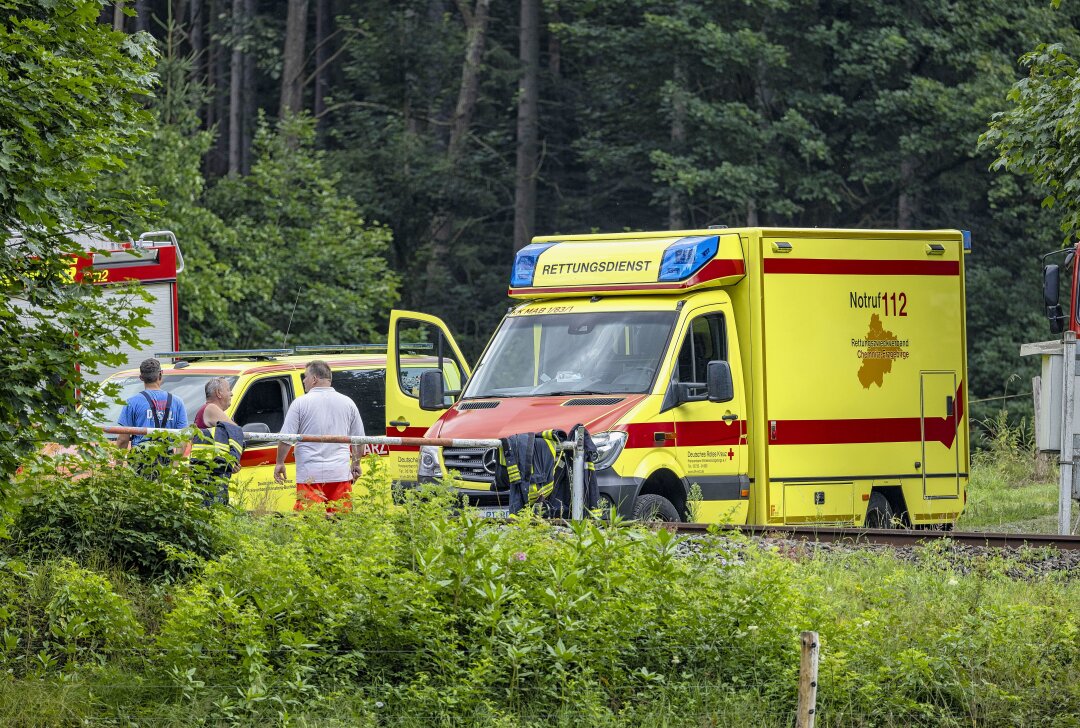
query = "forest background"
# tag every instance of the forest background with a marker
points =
(323, 160)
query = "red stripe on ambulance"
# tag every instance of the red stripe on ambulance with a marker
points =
(830, 266)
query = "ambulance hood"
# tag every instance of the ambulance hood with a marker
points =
(514, 415)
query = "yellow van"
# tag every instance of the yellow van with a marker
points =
(266, 381)
(751, 375)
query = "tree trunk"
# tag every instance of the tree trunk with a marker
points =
(751, 213)
(292, 69)
(554, 45)
(211, 65)
(527, 124)
(442, 226)
(906, 204)
(142, 16)
(218, 86)
(118, 17)
(195, 39)
(676, 199)
(248, 104)
(236, 80)
(324, 22)
(476, 34)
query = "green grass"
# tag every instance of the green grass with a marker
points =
(1013, 488)
(999, 500)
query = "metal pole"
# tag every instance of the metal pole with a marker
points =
(275, 437)
(577, 484)
(1068, 394)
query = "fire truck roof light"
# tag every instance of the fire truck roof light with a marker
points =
(687, 256)
(525, 264)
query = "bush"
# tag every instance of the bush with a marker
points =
(103, 513)
(59, 616)
(431, 611)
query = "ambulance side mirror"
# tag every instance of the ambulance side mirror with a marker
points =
(432, 394)
(720, 386)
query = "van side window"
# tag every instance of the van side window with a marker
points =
(705, 341)
(265, 401)
(366, 387)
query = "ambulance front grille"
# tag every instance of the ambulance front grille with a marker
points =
(488, 404)
(475, 464)
(594, 401)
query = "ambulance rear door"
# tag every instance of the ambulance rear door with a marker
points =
(417, 343)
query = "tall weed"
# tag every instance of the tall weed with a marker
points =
(102, 512)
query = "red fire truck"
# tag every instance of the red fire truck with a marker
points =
(154, 260)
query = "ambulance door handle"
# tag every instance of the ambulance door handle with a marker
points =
(729, 417)
(399, 423)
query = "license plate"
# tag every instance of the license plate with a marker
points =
(503, 512)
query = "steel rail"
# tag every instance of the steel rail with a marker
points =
(889, 536)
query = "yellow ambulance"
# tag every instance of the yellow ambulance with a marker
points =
(266, 381)
(750, 375)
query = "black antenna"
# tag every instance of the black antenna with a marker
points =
(288, 328)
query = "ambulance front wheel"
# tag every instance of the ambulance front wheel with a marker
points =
(655, 508)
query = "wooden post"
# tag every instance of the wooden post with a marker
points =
(808, 681)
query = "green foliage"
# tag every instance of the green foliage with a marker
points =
(307, 264)
(430, 614)
(425, 614)
(940, 642)
(68, 617)
(1040, 135)
(106, 514)
(70, 110)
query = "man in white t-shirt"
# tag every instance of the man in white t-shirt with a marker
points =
(324, 471)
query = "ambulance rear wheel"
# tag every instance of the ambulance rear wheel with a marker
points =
(654, 508)
(879, 512)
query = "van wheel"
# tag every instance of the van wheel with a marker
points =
(879, 512)
(653, 508)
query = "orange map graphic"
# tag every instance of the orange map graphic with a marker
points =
(873, 369)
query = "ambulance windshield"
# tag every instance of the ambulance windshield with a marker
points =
(573, 353)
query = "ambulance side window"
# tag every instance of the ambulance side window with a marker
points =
(705, 341)
(266, 401)
(366, 387)
(422, 348)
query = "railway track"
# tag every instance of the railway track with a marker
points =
(891, 537)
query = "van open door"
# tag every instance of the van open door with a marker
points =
(417, 343)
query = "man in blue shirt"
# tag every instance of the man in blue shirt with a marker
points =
(152, 407)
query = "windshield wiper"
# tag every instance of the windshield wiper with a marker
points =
(570, 393)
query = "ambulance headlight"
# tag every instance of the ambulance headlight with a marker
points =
(608, 447)
(429, 466)
(525, 264)
(687, 256)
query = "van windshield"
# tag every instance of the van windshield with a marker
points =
(573, 353)
(191, 388)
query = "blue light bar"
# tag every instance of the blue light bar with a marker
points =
(687, 256)
(525, 264)
(967, 239)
